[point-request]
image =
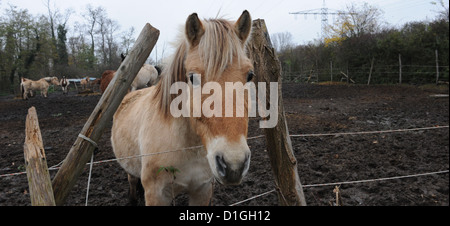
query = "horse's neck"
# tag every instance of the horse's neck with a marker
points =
(46, 79)
(183, 126)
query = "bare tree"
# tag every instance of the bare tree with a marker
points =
(92, 15)
(57, 21)
(363, 19)
(282, 41)
(443, 13)
(355, 21)
(102, 31)
(112, 26)
(128, 40)
(56, 18)
(52, 14)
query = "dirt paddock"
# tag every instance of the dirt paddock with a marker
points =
(310, 109)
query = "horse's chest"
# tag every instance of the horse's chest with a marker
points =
(194, 172)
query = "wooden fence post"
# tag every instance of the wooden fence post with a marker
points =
(279, 147)
(371, 69)
(437, 67)
(82, 149)
(331, 70)
(400, 69)
(39, 183)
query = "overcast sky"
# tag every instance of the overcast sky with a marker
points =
(168, 15)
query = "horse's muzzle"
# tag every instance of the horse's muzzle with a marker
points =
(231, 173)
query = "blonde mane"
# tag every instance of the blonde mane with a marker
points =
(217, 49)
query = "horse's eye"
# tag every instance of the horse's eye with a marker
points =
(195, 79)
(191, 77)
(250, 75)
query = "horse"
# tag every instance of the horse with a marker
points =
(106, 79)
(64, 85)
(146, 77)
(198, 150)
(27, 86)
(107, 76)
(85, 83)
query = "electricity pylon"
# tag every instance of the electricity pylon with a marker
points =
(324, 12)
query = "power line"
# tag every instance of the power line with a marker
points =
(323, 12)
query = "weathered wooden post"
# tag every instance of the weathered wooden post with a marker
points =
(400, 68)
(371, 69)
(39, 183)
(331, 70)
(279, 147)
(83, 148)
(437, 66)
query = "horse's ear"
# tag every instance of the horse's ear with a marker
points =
(122, 56)
(243, 26)
(194, 29)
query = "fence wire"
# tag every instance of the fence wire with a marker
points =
(57, 166)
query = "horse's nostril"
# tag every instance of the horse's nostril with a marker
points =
(221, 165)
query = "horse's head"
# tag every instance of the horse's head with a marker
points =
(55, 81)
(52, 80)
(214, 57)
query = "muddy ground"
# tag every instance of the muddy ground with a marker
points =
(310, 109)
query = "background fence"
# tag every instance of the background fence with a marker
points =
(380, 74)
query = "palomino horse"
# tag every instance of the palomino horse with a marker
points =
(85, 83)
(27, 86)
(144, 127)
(147, 76)
(64, 84)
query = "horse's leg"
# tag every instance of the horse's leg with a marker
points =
(201, 196)
(154, 193)
(25, 94)
(132, 193)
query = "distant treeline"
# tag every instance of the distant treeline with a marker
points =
(358, 40)
(36, 46)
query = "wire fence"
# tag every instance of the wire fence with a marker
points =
(348, 182)
(57, 166)
(379, 74)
